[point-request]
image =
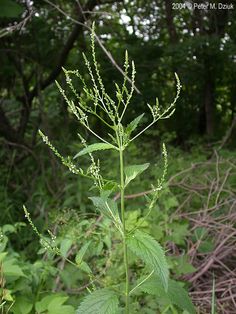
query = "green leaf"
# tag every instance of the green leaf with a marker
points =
(170, 202)
(179, 296)
(42, 305)
(8, 228)
(54, 304)
(179, 232)
(22, 306)
(133, 124)
(94, 147)
(2, 256)
(65, 309)
(131, 172)
(102, 301)
(11, 269)
(200, 233)
(106, 206)
(150, 251)
(85, 267)
(176, 294)
(152, 286)
(3, 243)
(9, 8)
(7, 295)
(183, 266)
(82, 251)
(206, 246)
(65, 246)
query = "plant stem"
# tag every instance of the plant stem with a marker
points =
(122, 199)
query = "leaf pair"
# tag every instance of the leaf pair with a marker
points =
(104, 146)
(105, 301)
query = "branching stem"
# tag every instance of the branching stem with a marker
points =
(145, 129)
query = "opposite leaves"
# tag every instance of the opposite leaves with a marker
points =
(150, 251)
(102, 301)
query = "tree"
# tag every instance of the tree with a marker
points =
(34, 58)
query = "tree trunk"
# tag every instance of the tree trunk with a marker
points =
(209, 106)
(170, 22)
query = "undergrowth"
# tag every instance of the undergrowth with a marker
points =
(189, 226)
(128, 270)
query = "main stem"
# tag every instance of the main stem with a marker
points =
(122, 200)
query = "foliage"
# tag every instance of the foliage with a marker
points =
(102, 301)
(143, 245)
(163, 224)
(37, 39)
(10, 9)
(175, 295)
(151, 253)
(20, 281)
(140, 243)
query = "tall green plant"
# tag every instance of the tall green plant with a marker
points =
(95, 101)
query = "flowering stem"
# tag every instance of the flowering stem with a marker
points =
(122, 199)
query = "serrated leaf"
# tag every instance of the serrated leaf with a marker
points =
(179, 296)
(150, 251)
(94, 147)
(175, 295)
(183, 266)
(102, 301)
(133, 124)
(152, 286)
(106, 206)
(131, 172)
(65, 246)
(80, 255)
